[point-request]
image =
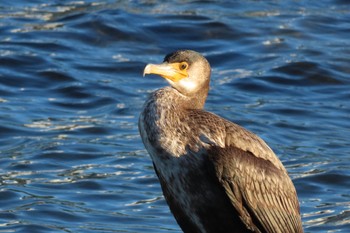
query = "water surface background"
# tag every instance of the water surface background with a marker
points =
(71, 90)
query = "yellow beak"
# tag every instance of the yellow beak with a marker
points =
(170, 71)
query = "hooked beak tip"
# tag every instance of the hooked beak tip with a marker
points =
(147, 70)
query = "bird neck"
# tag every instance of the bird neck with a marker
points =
(187, 101)
(164, 116)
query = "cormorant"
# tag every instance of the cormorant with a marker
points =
(216, 176)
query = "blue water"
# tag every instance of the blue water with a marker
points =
(71, 90)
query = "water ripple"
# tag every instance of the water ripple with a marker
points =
(71, 90)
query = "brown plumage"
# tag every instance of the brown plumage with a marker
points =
(216, 176)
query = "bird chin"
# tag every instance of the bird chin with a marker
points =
(185, 85)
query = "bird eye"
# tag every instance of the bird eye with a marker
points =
(183, 65)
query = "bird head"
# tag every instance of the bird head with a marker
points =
(187, 71)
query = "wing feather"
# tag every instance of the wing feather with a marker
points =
(253, 177)
(263, 194)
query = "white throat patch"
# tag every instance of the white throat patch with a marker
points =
(187, 84)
